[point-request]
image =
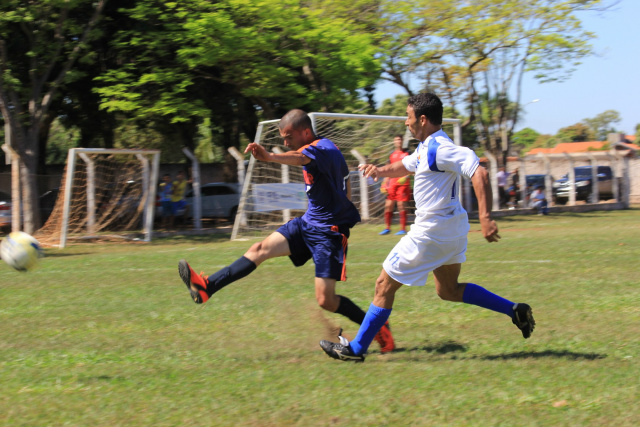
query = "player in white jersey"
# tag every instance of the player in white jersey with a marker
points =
(437, 241)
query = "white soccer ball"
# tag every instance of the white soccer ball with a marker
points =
(21, 251)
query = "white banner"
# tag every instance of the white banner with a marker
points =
(275, 197)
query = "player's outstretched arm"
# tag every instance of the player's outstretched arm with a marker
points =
(258, 151)
(292, 158)
(393, 170)
(480, 181)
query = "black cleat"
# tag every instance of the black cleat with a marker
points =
(523, 319)
(340, 352)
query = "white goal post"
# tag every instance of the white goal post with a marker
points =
(104, 190)
(273, 193)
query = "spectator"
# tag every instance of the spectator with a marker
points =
(539, 201)
(502, 186)
(165, 192)
(515, 193)
(178, 203)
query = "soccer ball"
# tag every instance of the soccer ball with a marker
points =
(21, 251)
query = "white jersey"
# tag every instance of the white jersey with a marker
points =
(438, 165)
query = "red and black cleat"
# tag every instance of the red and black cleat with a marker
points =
(196, 283)
(385, 339)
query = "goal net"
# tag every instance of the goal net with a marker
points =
(273, 193)
(104, 193)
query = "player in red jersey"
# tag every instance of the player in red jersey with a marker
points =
(398, 191)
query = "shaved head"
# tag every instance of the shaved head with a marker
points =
(296, 129)
(296, 120)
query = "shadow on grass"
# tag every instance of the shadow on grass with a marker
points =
(558, 354)
(450, 347)
(440, 348)
(50, 254)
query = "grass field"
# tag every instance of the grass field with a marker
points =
(106, 335)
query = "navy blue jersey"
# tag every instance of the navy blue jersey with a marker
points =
(325, 181)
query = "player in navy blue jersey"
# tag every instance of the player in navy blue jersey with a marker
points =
(320, 234)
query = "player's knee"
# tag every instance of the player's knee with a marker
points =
(255, 251)
(326, 303)
(449, 293)
(443, 294)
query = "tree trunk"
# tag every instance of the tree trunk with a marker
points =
(28, 183)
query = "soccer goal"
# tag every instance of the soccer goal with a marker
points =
(104, 193)
(273, 193)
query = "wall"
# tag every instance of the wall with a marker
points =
(559, 167)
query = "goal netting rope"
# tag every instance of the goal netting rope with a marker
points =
(109, 194)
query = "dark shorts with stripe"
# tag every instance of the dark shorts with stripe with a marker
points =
(326, 245)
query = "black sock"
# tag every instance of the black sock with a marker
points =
(349, 310)
(240, 268)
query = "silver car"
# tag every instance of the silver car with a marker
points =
(5, 211)
(218, 200)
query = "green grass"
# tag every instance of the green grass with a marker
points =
(106, 335)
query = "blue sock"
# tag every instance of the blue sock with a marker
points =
(373, 321)
(477, 295)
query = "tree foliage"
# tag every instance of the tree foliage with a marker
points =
(481, 66)
(524, 139)
(576, 133)
(602, 124)
(235, 61)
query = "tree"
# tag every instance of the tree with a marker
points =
(602, 124)
(60, 140)
(235, 62)
(545, 141)
(576, 133)
(40, 42)
(482, 65)
(524, 139)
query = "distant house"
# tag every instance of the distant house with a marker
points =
(615, 141)
(571, 147)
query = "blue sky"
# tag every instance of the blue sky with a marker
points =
(608, 80)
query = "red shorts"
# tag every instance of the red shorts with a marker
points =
(399, 193)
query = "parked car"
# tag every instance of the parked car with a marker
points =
(5, 211)
(218, 200)
(584, 186)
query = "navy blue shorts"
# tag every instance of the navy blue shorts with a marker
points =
(326, 245)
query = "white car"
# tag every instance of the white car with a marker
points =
(5, 211)
(218, 200)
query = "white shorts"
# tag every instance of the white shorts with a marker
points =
(411, 260)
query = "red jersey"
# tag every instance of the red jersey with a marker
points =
(396, 156)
